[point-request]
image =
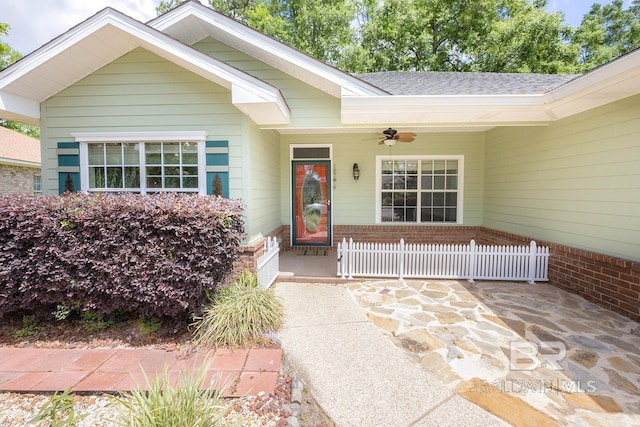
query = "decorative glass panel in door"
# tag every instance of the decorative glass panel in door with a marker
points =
(311, 203)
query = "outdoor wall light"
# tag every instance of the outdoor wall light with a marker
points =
(356, 172)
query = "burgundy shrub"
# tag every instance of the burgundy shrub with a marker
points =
(154, 255)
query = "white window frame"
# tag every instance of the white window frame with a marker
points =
(460, 191)
(86, 138)
(37, 184)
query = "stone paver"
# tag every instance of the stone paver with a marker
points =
(531, 354)
(241, 371)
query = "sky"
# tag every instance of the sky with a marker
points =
(36, 22)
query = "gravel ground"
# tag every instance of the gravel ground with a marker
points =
(102, 410)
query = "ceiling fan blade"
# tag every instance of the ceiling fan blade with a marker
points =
(406, 136)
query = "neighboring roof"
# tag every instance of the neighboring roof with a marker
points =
(450, 83)
(18, 149)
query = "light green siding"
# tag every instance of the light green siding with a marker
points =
(309, 106)
(139, 92)
(263, 174)
(354, 202)
(576, 182)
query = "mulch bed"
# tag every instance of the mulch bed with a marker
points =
(72, 333)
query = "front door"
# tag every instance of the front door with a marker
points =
(311, 224)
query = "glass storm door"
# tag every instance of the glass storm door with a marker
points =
(311, 203)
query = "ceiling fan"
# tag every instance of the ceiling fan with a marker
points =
(390, 136)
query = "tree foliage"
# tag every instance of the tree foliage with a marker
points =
(8, 56)
(441, 35)
(607, 32)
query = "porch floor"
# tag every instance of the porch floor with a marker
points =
(307, 262)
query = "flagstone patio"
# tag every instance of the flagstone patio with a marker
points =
(531, 354)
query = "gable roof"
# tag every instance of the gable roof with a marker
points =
(17, 149)
(106, 36)
(191, 22)
(451, 83)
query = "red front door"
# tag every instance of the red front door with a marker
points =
(311, 225)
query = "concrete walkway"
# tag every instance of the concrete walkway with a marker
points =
(356, 374)
(242, 372)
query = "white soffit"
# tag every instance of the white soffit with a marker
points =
(444, 110)
(105, 37)
(191, 22)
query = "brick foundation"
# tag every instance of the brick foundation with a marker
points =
(410, 234)
(609, 282)
(249, 254)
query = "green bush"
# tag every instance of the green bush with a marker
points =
(29, 326)
(239, 315)
(58, 412)
(160, 404)
(151, 256)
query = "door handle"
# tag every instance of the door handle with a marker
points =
(328, 202)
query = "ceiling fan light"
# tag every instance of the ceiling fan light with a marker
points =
(389, 142)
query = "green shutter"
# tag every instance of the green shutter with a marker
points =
(68, 165)
(217, 160)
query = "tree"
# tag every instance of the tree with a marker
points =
(464, 35)
(8, 56)
(607, 32)
(166, 5)
(319, 28)
(528, 39)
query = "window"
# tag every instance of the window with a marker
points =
(420, 189)
(171, 165)
(143, 162)
(114, 166)
(37, 184)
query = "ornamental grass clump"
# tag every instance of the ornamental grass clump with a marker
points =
(191, 403)
(239, 315)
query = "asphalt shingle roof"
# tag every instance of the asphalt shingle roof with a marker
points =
(452, 83)
(16, 146)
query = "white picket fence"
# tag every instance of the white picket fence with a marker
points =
(443, 261)
(269, 263)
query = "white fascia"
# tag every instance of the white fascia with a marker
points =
(158, 136)
(608, 83)
(340, 82)
(20, 163)
(18, 108)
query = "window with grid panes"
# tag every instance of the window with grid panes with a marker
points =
(419, 190)
(140, 166)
